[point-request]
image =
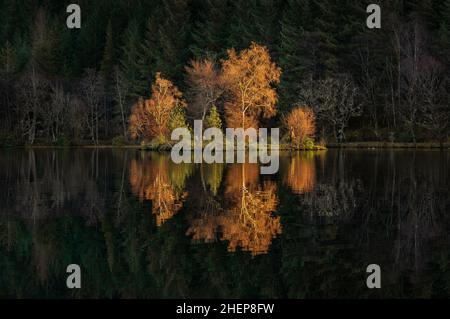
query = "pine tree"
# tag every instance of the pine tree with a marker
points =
(44, 44)
(7, 59)
(178, 118)
(173, 34)
(210, 30)
(213, 119)
(242, 25)
(107, 63)
(307, 45)
(444, 30)
(292, 62)
(131, 62)
(266, 16)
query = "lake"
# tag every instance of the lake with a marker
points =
(140, 226)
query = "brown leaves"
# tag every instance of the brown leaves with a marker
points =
(301, 123)
(249, 77)
(150, 118)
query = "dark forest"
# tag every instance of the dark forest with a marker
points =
(79, 86)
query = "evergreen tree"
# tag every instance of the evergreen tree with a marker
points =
(178, 118)
(107, 64)
(7, 59)
(131, 62)
(307, 45)
(44, 50)
(173, 32)
(292, 63)
(210, 30)
(241, 24)
(213, 119)
(444, 31)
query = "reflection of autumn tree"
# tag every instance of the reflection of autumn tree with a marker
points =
(301, 174)
(154, 180)
(247, 220)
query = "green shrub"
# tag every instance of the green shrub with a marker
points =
(308, 144)
(62, 141)
(157, 142)
(118, 141)
(7, 140)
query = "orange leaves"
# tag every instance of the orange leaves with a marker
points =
(249, 77)
(242, 90)
(301, 123)
(150, 118)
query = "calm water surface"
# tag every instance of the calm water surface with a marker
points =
(141, 226)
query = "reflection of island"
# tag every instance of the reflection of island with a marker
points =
(153, 180)
(245, 219)
(301, 175)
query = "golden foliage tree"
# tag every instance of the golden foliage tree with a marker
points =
(301, 123)
(150, 118)
(248, 78)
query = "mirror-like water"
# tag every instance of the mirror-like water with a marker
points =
(141, 226)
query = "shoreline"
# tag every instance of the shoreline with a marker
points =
(283, 147)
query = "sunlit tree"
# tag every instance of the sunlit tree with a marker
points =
(249, 78)
(301, 123)
(150, 118)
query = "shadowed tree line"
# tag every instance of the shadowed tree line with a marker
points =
(66, 86)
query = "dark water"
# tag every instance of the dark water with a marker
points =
(140, 226)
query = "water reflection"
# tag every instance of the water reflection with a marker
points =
(301, 174)
(152, 177)
(142, 226)
(244, 217)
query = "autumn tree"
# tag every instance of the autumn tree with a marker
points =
(249, 77)
(301, 123)
(150, 118)
(205, 87)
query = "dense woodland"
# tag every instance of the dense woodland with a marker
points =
(319, 60)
